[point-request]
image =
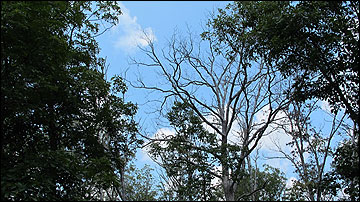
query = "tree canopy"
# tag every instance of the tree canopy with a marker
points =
(68, 133)
(64, 131)
(316, 41)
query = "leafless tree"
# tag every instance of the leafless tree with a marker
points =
(227, 94)
(310, 147)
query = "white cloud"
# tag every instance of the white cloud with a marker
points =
(270, 137)
(273, 139)
(325, 106)
(272, 134)
(290, 182)
(131, 34)
(162, 133)
(233, 137)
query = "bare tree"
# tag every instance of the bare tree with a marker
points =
(310, 148)
(225, 93)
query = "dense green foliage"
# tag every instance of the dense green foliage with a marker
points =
(64, 132)
(140, 184)
(266, 185)
(345, 172)
(316, 41)
(187, 156)
(187, 160)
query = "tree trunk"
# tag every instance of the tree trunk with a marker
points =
(121, 191)
(226, 181)
(228, 189)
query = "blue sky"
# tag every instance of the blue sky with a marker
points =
(158, 19)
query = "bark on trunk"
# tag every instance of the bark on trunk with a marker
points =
(226, 181)
(228, 189)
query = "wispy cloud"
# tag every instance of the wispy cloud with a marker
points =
(130, 34)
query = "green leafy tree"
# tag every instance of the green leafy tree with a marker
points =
(295, 192)
(317, 41)
(64, 132)
(188, 162)
(186, 157)
(140, 184)
(269, 185)
(345, 170)
(310, 148)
